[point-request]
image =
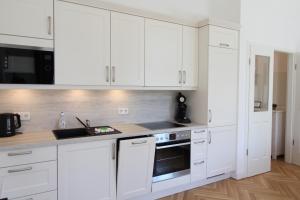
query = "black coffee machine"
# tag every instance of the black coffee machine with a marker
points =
(181, 110)
(9, 123)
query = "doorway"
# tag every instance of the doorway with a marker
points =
(279, 108)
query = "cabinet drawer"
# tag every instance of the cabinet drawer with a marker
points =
(24, 180)
(27, 156)
(199, 134)
(44, 196)
(198, 170)
(198, 149)
(221, 37)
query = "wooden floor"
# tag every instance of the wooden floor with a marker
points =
(282, 183)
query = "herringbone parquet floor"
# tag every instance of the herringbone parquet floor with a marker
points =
(282, 183)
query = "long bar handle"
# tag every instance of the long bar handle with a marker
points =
(107, 73)
(49, 25)
(140, 142)
(114, 151)
(209, 137)
(173, 145)
(184, 77)
(180, 77)
(19, 170)
(19, 153)
(113, 74)
(210, 116)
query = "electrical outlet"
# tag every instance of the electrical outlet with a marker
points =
(25, 116)
(123, 111)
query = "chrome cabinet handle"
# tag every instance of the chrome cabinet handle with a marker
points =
(201, 131)
(19, 153)
(210, 116)
(224, 45)
(114, 151)
(209, 137)
(49, 25)
(180, 77)
(200, 142)
(199, 163)
(19, 170)
(184, 77)
(113, 73)
(140, 142)
(107, 73)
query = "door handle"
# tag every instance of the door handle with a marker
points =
(19, 153)
(113, 69)
(184, 77)
(107, 73)
(209, 137)
(200, 142)
(19, 170)
(210, 116)
(49, 25)
(199, 163)
(114, 151)
(224, 45)
(180, 77)
(140, 142)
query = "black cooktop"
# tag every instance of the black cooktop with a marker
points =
(160, 125)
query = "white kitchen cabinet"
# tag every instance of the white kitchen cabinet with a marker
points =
(221, 152)
(127, 50)
(215, 101)
(190, 57)
(198, 169)
(30, 18)
(222, 37)
(135, 167)
(82, 45)
(87, 171)
(163, 54)
(23, 180)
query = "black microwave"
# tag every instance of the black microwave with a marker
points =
(26, 65)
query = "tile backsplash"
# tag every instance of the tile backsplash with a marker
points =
(100, 107)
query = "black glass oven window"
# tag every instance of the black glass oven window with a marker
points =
(24, 66)
(171, 160)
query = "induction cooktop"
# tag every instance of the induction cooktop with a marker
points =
(160, 125)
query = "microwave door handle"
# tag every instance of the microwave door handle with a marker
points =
(173, 145)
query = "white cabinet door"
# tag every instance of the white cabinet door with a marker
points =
(190, 57)
(127, 50)
(23, 180)
(30, 18)
(43, 196)
(198, 169)
(222, 87)
(221, 152)
(163, 53)
(135, 167)
(82, 45)
(87, 171)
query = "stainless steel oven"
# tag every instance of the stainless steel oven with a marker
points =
(172, 155)
(26, 65)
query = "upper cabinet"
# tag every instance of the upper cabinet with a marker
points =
(30, 18)
(127, 50)
(82, 45)
(163, 53)
(190, 57)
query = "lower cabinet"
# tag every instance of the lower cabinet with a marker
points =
(135, 167)
(24, 180)
(87, 171)
(198, 170)
(221, 152)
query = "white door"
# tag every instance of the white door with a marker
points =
(127, 50)
(82, 45)
(163, 54)
(222, 87)
(23, 180)
(135, 167)
(190, 57)
(260, 110)
(30, 18)
(296, 114)
(87, 171)
(221, 152)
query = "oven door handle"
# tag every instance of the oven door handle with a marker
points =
(173, 145)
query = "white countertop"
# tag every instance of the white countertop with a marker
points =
(47, 138)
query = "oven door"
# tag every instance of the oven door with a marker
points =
(172, 160)
(26, 66)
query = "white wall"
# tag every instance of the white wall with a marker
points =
(274, 23)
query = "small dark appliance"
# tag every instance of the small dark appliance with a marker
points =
(181, 110)
(9, 123)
